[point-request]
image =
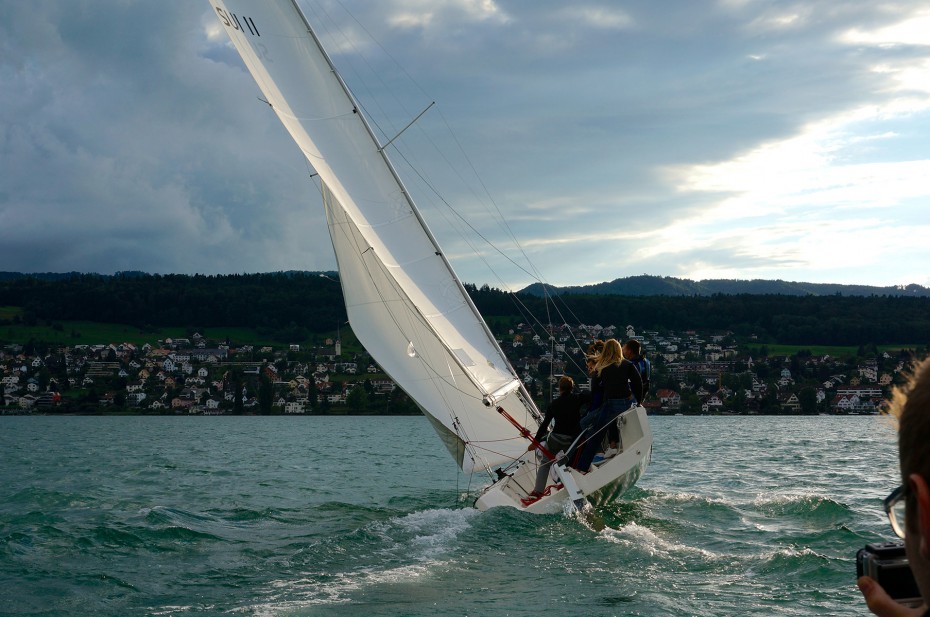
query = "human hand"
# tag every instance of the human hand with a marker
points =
(880, 603)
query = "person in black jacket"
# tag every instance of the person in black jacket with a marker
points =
(566, 412)
(633, 351)
(619, 385)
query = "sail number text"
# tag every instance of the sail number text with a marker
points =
(231, 20)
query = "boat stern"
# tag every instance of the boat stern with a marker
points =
(604, 484)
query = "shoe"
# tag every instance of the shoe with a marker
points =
(531, 498)
(610, 452)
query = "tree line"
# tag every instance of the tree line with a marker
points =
(286, 306)
(771, 318)
(289, 306)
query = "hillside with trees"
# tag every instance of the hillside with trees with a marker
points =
(290, 306)
(646, 285)
(275, 339)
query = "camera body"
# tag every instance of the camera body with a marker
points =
(886, 562)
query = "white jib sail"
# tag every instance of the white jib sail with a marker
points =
(404, 302)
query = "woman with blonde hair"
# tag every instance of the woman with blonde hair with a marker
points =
(616, 383)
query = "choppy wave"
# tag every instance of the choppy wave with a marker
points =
(203, 517)
(401, 549)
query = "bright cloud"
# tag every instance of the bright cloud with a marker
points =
(913, 30)
(848, 191)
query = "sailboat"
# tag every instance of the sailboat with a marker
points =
(404, 301)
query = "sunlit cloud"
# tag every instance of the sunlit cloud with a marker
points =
(598, 17)
(913, 30)
(809, 201)
(425, 13)
(778, 21)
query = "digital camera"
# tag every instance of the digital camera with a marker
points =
(886, 562)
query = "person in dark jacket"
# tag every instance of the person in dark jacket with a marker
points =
(618, 384)
(565, 411)
(633, 351)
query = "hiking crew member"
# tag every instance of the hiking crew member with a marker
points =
(633, 352)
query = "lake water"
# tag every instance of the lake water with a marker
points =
(368, 516)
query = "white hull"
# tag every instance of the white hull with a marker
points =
(603, 485)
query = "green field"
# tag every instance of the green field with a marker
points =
(93, 333)
(8, 313)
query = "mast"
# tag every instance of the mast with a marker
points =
(490, 398)
(409, 309)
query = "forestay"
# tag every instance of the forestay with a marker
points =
(404, 302)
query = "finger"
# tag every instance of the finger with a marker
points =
(880, 603)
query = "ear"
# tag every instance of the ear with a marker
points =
(922, 494)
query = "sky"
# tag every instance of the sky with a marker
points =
(734, 139)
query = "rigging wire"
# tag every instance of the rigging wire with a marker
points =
(330, 24)
(349, 42)
(531, 270)
(474, 445)
(450, 406)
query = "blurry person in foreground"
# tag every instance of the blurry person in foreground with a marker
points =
(911, 405)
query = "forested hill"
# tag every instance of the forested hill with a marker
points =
(283, 305)
(287, 306)
(646, 285)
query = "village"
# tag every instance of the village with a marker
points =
(692, 373)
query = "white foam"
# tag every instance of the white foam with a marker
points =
(423, 537)
(302, 593)
(643, 538)
(684, 497)
(434, 531)
(174, 610)
(763, 498)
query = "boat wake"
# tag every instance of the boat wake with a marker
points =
(391, 554)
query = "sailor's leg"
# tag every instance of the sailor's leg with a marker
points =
(542, 477)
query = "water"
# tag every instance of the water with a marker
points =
(367, 516)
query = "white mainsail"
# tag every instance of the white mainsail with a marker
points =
(404, 301)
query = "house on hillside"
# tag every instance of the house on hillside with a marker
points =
(669, 399)
(790, 403)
